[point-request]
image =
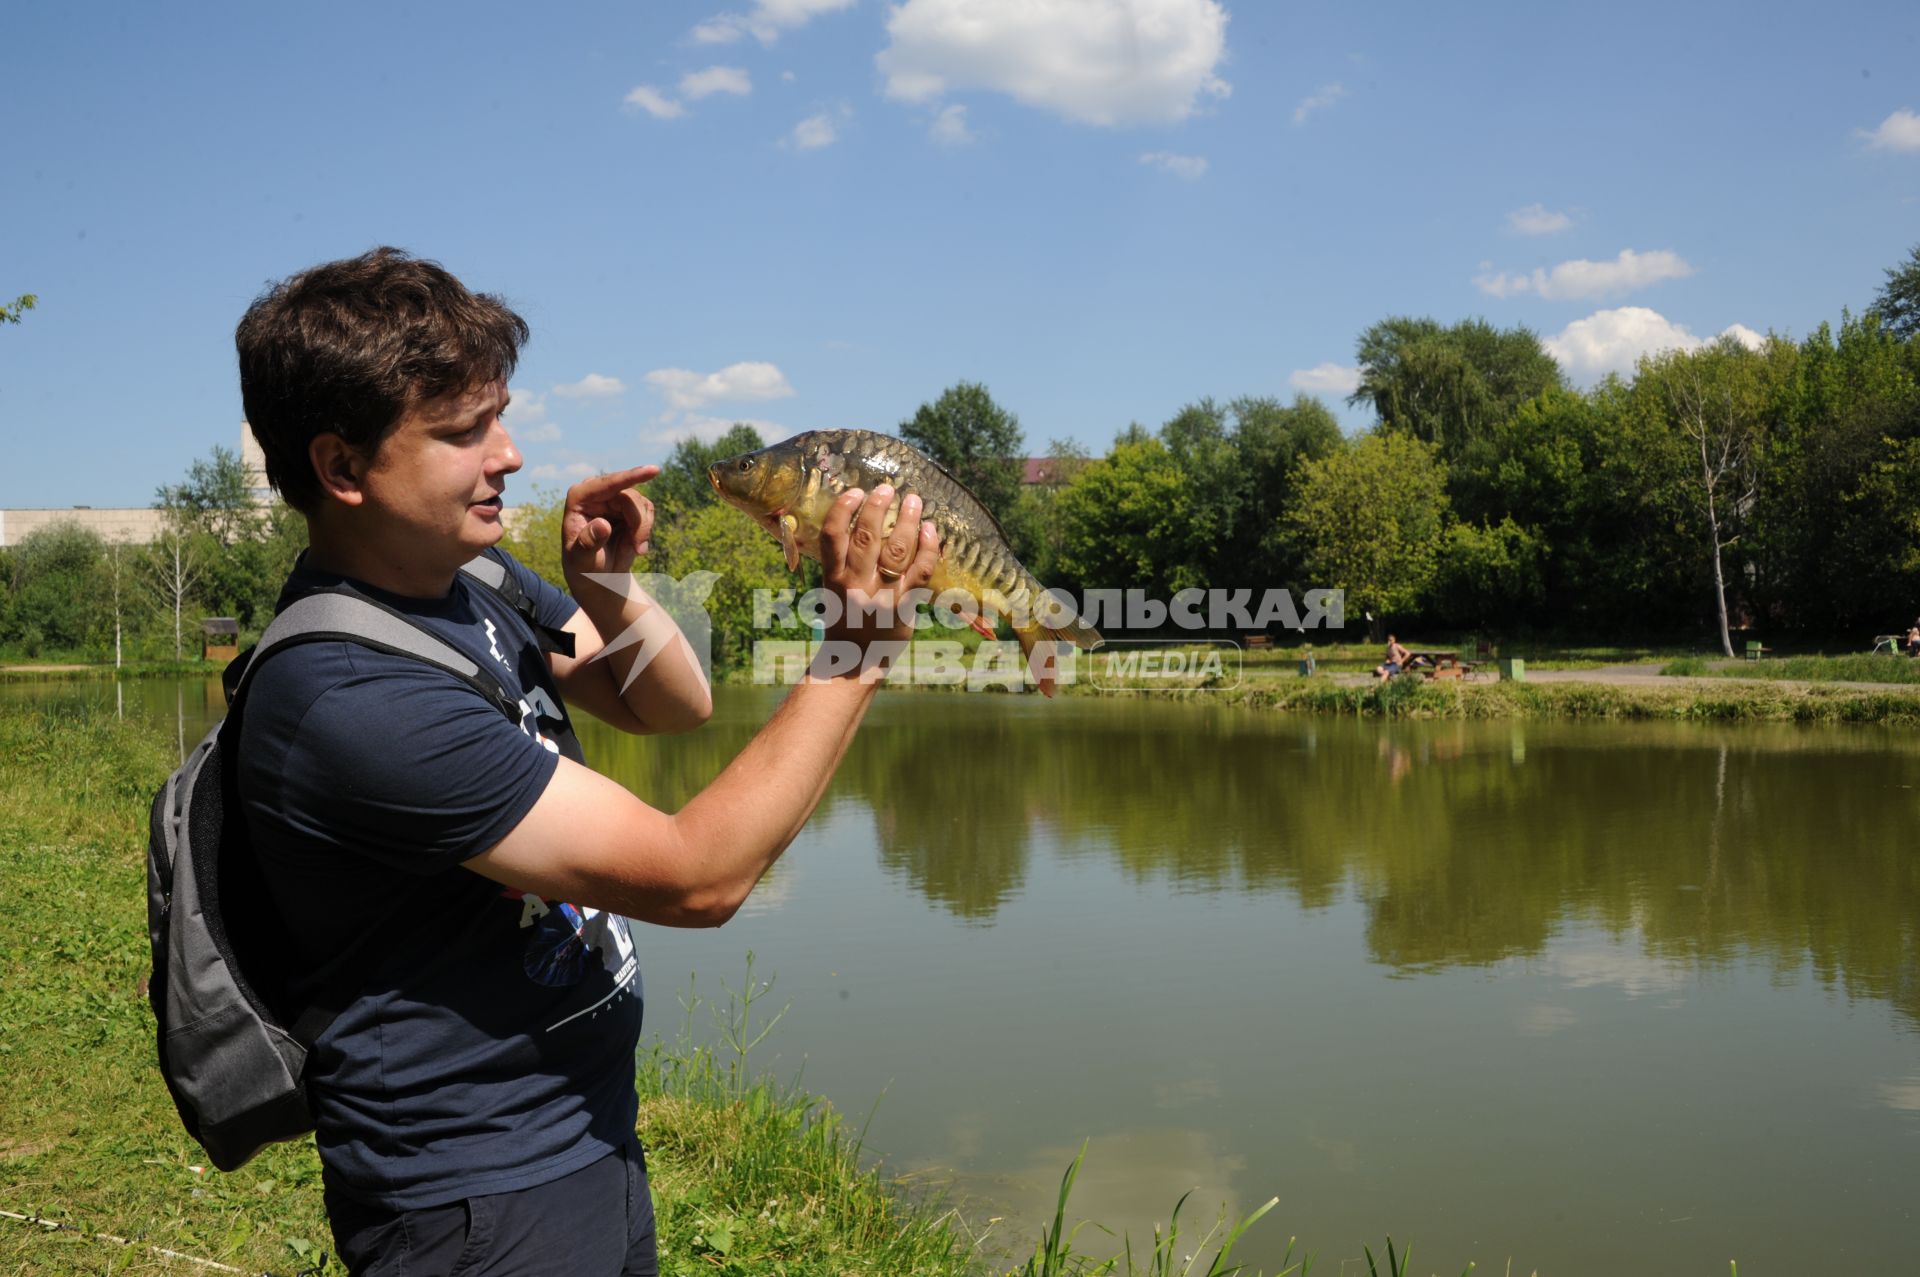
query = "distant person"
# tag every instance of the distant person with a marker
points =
(1396, 661)
(1913, 639)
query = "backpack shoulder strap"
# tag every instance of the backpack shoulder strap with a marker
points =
(493, 574)
(344, 615)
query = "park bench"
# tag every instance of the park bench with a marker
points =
(1888, 643)
(1755, 651)
(1259, 642)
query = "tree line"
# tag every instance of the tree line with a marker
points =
(1774, 487)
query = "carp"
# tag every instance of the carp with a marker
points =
(789, 487)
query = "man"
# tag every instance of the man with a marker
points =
(1395, 662)
(474, 1102)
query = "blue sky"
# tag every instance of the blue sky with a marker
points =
(819, 213)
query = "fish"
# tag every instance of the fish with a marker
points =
(789, 487)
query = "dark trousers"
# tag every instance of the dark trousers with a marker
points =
(596, 1222)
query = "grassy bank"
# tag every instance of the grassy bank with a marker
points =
(41, 672)
(1854, 667)
(1403, 698)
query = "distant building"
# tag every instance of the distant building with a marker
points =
(136, 525)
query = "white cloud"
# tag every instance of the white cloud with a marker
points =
(950, 126)
(677, 426)
(1327, 378)
(787, 77)
(1318, 102)
(1538, 219)
(765, 21)
(526, 418)
(723, 28)
(686, 389)
(1095, 61)
(1898, 132)
(1190, 167)
(569, 473)
(592, 386)
(1614, 340)
(814, 132)
(1581, 278)
(654, 102)
(700, 84)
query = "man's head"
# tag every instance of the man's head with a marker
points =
(347, 348)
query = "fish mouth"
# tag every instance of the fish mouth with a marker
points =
(713, 477)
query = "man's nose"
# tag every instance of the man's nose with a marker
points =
(506, 457)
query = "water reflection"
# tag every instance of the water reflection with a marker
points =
(1468, 844)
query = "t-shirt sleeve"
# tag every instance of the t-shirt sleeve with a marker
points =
(409, 766)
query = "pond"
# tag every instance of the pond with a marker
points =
(1600, 998)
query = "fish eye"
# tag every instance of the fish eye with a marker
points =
(746, 464)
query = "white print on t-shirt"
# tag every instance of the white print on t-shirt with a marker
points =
(563, 935)
(534, 706)
(493, 643)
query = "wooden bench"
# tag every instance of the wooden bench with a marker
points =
(1755, 651)
(1259, 642)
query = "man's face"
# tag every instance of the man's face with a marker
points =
(439, 474)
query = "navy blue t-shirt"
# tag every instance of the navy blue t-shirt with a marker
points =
(493, 1047)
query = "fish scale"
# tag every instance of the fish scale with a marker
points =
(791, 486)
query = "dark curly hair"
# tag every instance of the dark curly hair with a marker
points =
(349, 346)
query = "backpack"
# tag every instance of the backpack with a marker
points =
(232, 1050)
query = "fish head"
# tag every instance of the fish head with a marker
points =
(764, 483)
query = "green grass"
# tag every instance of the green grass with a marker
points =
(1855, 667)
(1755, 702)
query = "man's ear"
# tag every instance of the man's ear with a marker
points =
(339, 466)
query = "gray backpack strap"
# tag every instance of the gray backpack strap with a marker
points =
(354, 618)
(493, 574)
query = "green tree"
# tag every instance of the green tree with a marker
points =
(1205, 548)
(1271, 440)
(974, 437)
(54, 601)
(1035, 522)
(720, 539)
(1120, 521)
(1899, 299)
(533, 535)
(1370, 520)
(682, 486)
(1449, 385)
(216, 497)
(10, 314)
(1488, 574)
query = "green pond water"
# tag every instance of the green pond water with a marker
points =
(1594, 998)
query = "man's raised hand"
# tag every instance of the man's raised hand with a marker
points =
(606, 525)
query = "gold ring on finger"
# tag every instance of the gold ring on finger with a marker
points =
(888, 575)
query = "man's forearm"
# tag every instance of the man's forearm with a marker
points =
(647, 663)
(754, 808)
